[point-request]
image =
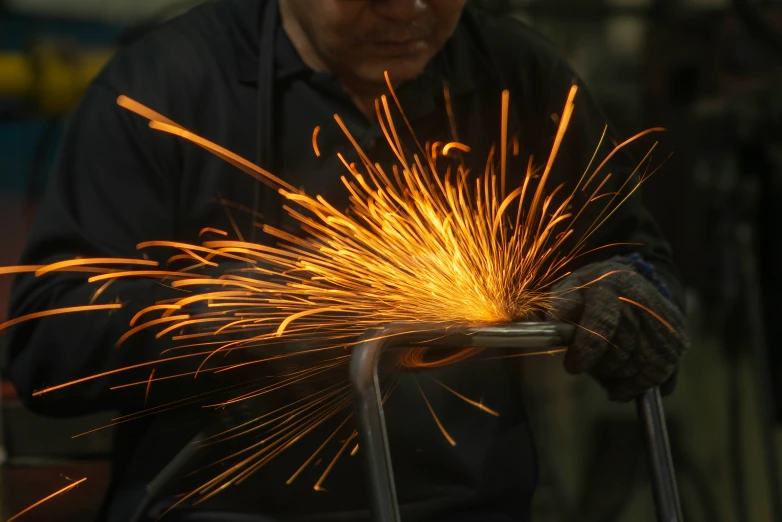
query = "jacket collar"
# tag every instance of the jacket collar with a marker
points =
(461, 60)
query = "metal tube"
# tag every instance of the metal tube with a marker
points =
(658, 454)
(533, 335)
(369, 403)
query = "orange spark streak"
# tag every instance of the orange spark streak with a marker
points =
(139, 383)
(610, 245)
(600, 278)
(95, 261)
(334, 396)
(435, 417)
(504, 139)
(190, 322)
(592, 332)
(136, 329)
(433, 149)
(199, 258)
(252, 468)
(58, 311)
(288, 320)
(319, 484)
(317, 451)
(264, 176)
(149, 385)
(561, 130)
(618, 148)
(269, 389)
(180, 245)
(19, 269)
(315, 133)
(112, 372)
(100, 291)
(325, 348)
(151, 411)
(650, 312)
(152, 309)
(186, 400)
(159, 409)
(455, 145)
(325, 393)
(414, 358)
(56, 493)
(141, 110)
(233, 294)
(135, 273)
(527, 354)
(478, 405)
(213, 230)
(230, 217)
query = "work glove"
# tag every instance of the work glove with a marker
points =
(629, 336)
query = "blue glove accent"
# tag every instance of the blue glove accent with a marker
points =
(645, 269)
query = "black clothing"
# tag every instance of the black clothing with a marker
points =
(118, 183)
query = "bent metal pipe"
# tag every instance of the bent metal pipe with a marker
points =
(368, 403)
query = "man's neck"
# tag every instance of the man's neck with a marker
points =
(363, 94)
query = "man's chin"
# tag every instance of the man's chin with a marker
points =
(399, 71)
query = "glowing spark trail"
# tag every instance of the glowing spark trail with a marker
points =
(315, 147)
(478, 405)
(58, 311)
(435, 417)
(43, 500)
(650, 312)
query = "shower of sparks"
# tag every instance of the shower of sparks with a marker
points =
(426, 243)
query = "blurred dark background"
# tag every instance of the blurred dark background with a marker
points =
(708, 70)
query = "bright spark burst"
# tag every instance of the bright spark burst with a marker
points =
(427, 243)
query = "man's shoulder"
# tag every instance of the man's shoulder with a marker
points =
(518, 47)
(183, 52)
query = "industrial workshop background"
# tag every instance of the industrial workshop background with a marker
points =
(709, 70)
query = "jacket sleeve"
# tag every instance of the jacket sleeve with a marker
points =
(630, 222)
(113, 186)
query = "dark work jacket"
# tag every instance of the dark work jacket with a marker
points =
(118, 183)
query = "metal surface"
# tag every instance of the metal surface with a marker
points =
(538, 336)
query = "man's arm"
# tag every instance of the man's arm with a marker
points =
(114, 185)
(628, 299)
(630, 222)
(539, 81)
(624, 346)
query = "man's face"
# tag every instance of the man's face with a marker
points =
(359, 39)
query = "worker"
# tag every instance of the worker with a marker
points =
(257, 76)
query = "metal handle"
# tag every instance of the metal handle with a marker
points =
(533, 335)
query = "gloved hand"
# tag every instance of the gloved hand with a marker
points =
(630, 337)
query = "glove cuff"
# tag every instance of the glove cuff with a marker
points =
(646, 269)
